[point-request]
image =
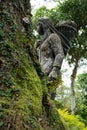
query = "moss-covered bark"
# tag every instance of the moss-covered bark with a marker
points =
(24, 101)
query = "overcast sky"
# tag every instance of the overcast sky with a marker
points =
(38, 3)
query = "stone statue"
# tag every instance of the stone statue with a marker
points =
(53, 45)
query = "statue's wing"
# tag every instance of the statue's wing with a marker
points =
(66, 33)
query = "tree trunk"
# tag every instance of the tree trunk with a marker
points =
(21, 89)
(16, 17)
(73, 76)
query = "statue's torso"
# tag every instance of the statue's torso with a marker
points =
(46, 54)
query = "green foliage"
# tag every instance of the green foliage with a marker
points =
(72, 121)
(41, 12)
(44, 12)
(82, 81)
(53, 85)
(82, 85)
(82, 111)
(58, 104)
(82, 99)
(69, 10)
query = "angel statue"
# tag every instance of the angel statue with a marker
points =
(53, 45)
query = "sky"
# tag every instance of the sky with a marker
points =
(67, 71)
(38, 3)
(66, 75)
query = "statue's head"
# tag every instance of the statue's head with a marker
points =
(43, 24)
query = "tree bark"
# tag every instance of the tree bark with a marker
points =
(21, 89)
(73, 77)
(16, 16)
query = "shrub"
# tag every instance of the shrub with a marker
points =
(72, 121)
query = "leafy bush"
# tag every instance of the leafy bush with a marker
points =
(72, 121)
(82, 111)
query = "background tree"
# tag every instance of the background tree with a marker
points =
(69, 10)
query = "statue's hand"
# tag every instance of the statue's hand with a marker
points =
(37, 44)
(54, 74)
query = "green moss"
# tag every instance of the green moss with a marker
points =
(22, 99)
(53, 117)
(25, 88)
(52, 85)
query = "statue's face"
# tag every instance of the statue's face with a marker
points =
(40, 29)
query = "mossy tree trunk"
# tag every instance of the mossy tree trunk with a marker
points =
(24, 101)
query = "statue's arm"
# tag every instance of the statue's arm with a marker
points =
(58, 55)
(57, 51)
